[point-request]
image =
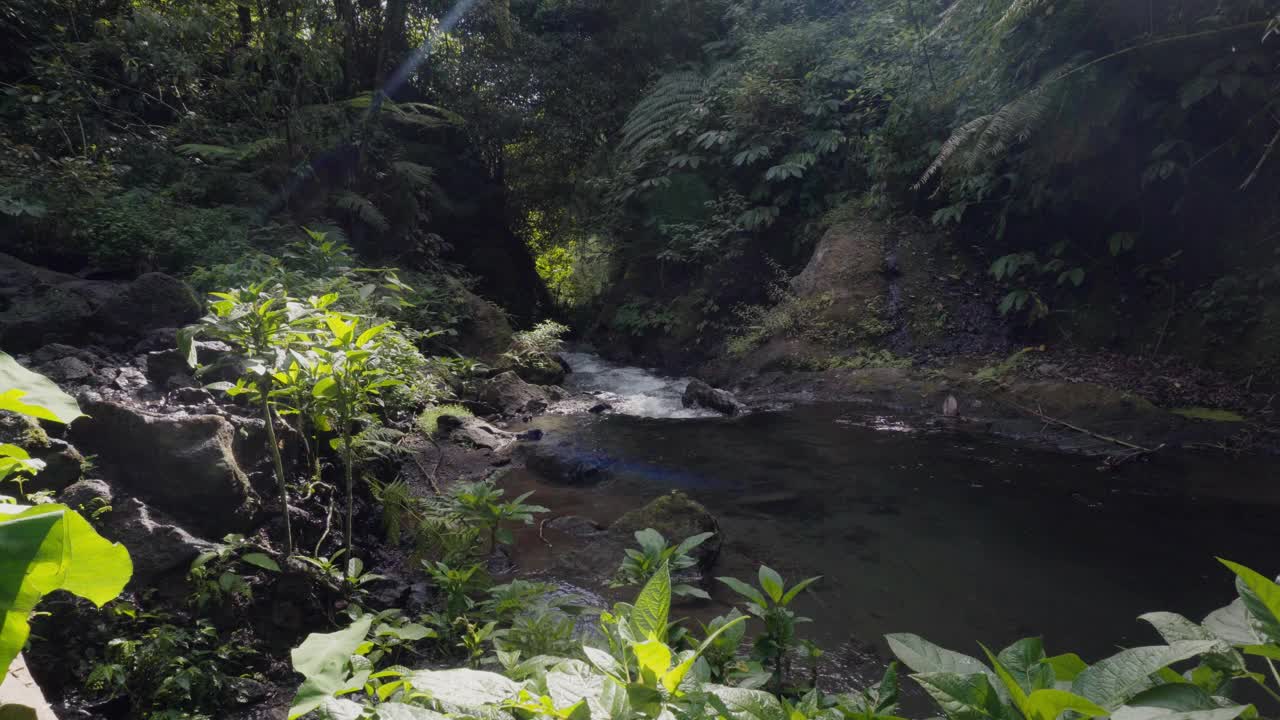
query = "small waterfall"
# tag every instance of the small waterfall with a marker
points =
(630, 390)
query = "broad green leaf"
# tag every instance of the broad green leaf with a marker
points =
(692, 542)
(747, 704)
(1157, 713)
(1266, 651)
(653, 657)
(1180, 696)
(1111, 682)
(263, 561)
(47, 548)
(370, 334)
(1066, 666)
(401, 711)
(463, 689)
(798, 588)
(1265, 601)
(603, 661)
(1024, 660)
(1174, 627)
(1048, 704)
(1011, 684)
(1231, 624)
(672, 679)
(923, 656)
(771, 581)
(322, 660)
(744, 590)
(28, 393)
(653, 605)
(962, 697)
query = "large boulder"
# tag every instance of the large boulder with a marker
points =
(677, 516)
(700, 394)
(156, 543)
(38, 306)
(566, 464)
(485, 333)
(153, 300)
(62, 463)
(511, 395)
(182, 464)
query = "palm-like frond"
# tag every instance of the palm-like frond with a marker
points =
(362, 208)
(419, 176)
(659, 112)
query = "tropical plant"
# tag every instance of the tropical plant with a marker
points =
(265, 324)
(774, 645)
(47, 547)
(640, 565)
(481, 503)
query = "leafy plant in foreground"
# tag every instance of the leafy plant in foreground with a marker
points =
(47, 547)
(640, 565)
(779, 636)
(481, 503)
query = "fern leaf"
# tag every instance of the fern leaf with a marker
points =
(209, 153)
(363, 208)
(657, 114)
(419, 176)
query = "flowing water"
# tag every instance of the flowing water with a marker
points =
(956, 536)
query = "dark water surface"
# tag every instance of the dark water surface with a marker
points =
(948, 534)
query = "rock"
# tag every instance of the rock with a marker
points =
(599, 408)
(242, 691)
(512, 396)
(845, 277)
(700, 394)
(66, 370)
(486, 333)
(676, 516)
(90, 494)
(166, 365)
(63, 466)
(191, 396)
(575, 525)
(42, 306)
(565, 464)
(153, 300)
(951, 406)
(474, 432)
(156, 544)
(533, 435)
(183, 464)
(542, 369)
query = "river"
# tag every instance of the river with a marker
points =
(950, 534)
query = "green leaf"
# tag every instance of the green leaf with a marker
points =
(1111, 682)
(603, 661)
(28, 393)
(1261, 597)
(1048, 704)
(798, 588)
(653, 657)
(47, 548)
(463, 690)
(262, 561)
(653, 605)
(923, 656)
(772, 583)
(322, 660)
(962, 697)
(1066, 666)
(744, 590)
(1266, 651)
(1024, 661)
(747, 704)
(1180, 696)
(1154, 713)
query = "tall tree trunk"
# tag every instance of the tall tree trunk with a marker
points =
(391, 49)
(245, 16)
(347, 27)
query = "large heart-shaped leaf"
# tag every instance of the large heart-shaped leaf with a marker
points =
(33, 394)
(322, 659)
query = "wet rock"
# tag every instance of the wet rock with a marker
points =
(541, 369)
(512, 395)
(183, 464)
(565, 464)
(533, 435)
(700, 394)
(599, 408)
(575, 525)
(156, 543)
(473, 432)
(90, 493)
(677, 516)
(153, 300)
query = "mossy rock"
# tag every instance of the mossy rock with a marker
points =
(677, 516)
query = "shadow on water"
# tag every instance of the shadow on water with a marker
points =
(949, 535)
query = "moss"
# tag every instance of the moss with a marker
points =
(675, 515)
(429, 419)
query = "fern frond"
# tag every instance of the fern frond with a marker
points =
(949, 148)
(362, 208)
(209, 153)
(1017, 11)
(659, 112)
(419, 176)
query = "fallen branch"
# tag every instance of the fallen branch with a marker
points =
(1134, 451)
